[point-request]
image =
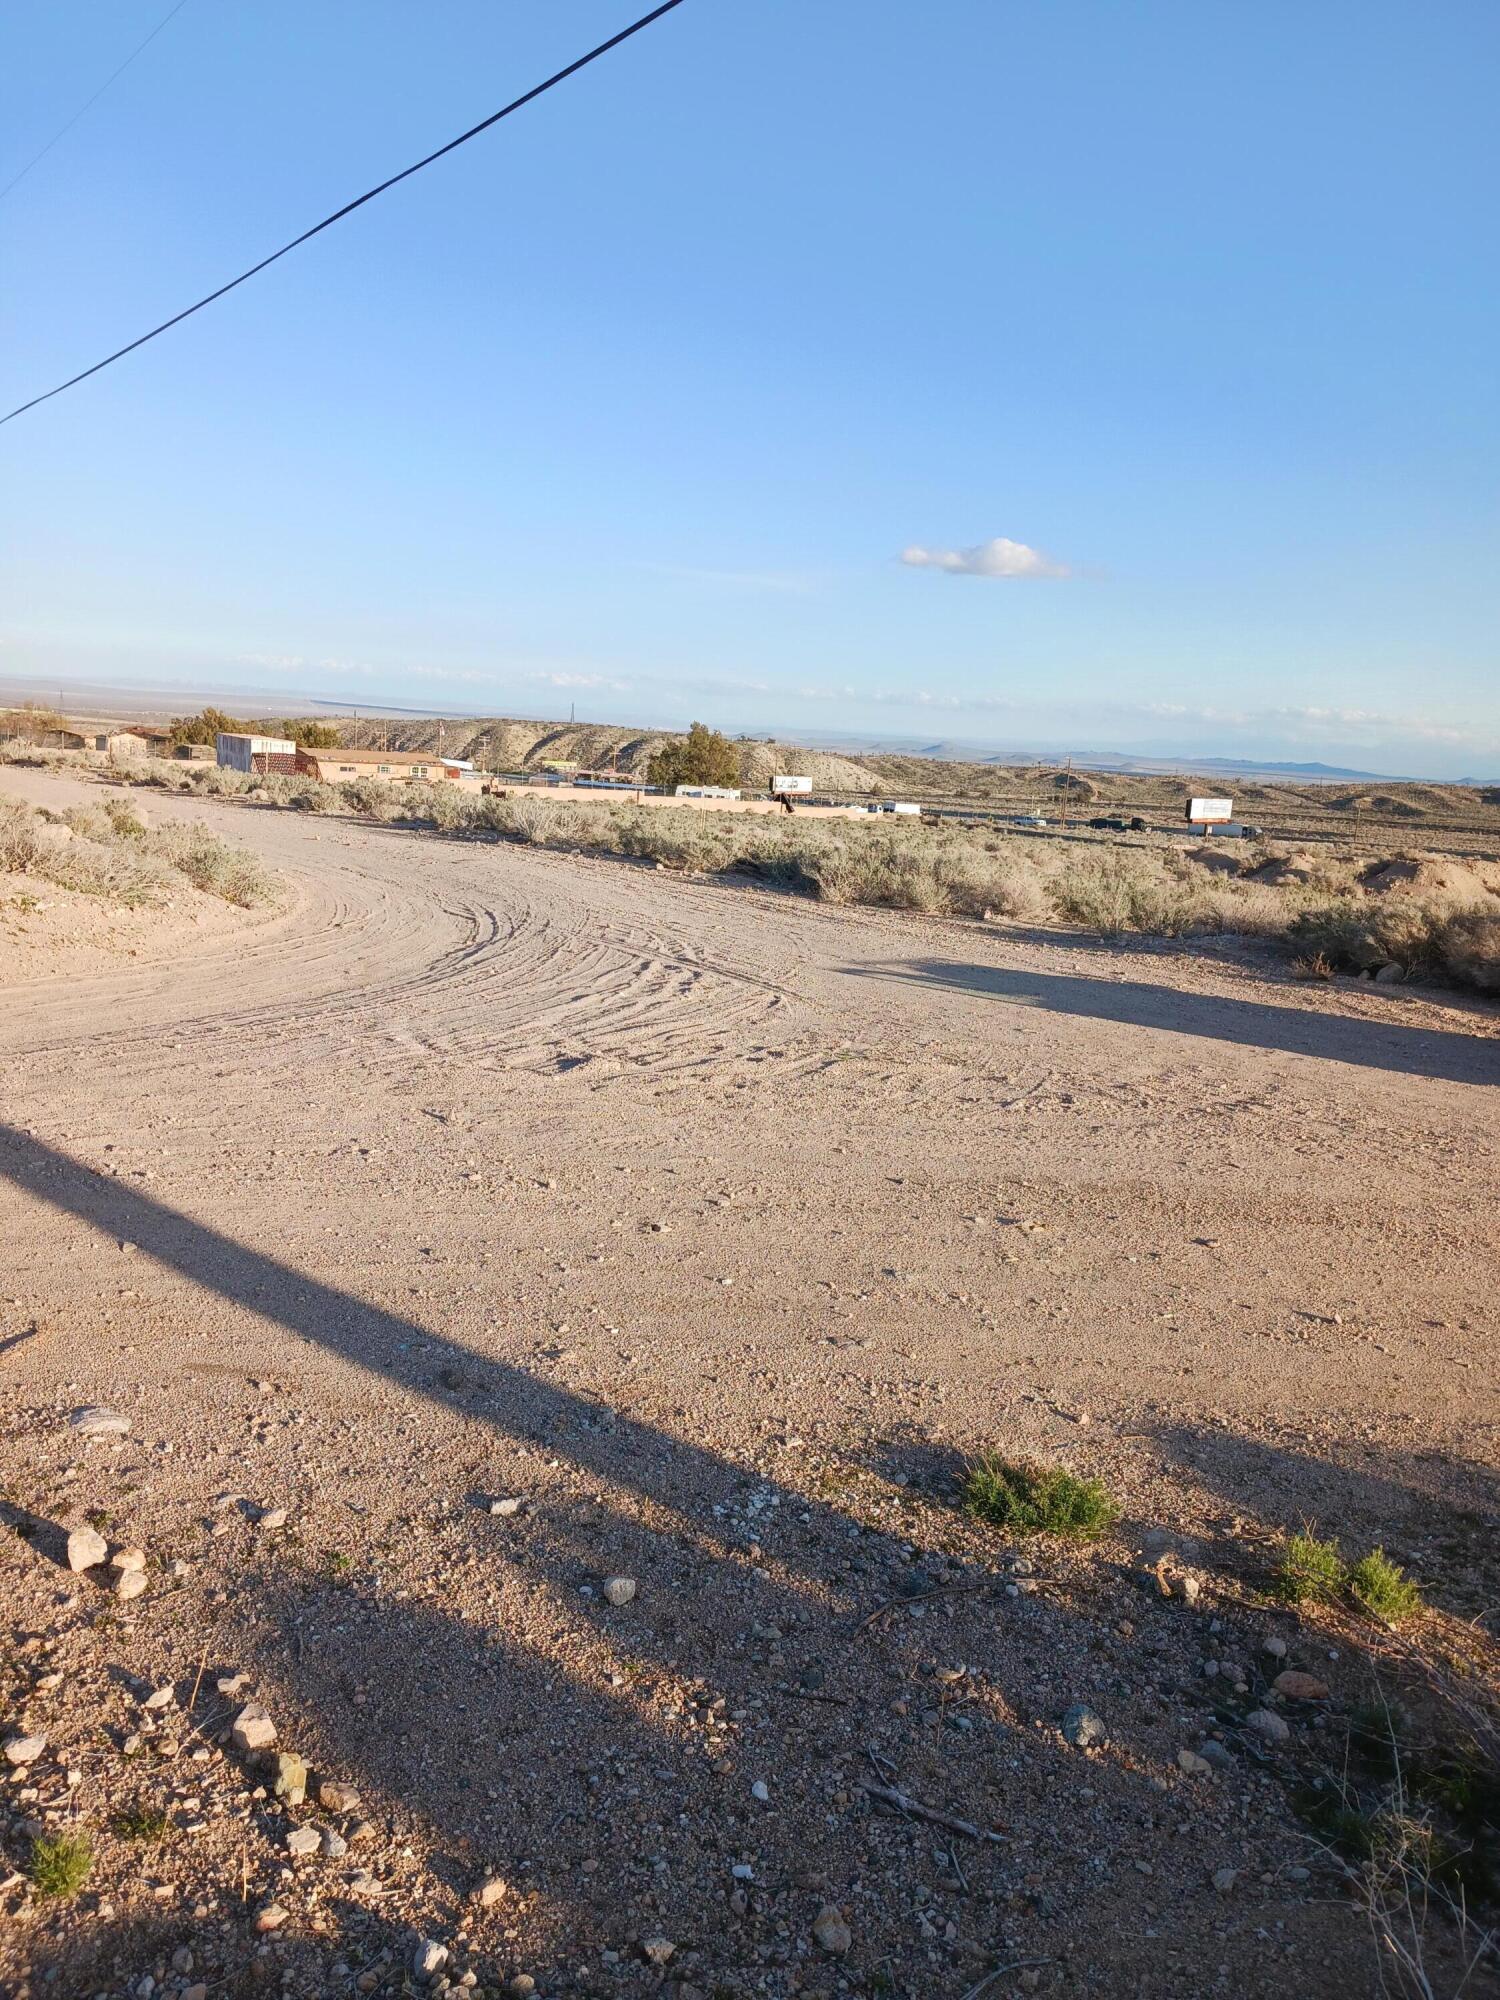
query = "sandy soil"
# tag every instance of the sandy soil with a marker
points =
(715, 1227)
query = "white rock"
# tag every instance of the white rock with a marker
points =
(428, 1958)
(231, 1684)
(130, 1583)
(87, 1548)
(303, 1840)
(619, 1589)
(505, 1508)
(760, 1790)
(252, 1729)
(24, 1749)
(657, 1950)
(159, 1697)
(94, 1421)
(124, 1559)
(272, 1517)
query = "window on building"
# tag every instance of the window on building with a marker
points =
(383, 769)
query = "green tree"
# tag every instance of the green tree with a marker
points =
(703, 757)
(310, 735)
(205, 727)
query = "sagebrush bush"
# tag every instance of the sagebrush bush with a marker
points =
(1310, 1572)
(1037, 1499)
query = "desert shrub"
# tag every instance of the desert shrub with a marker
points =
(1310, 1571)
(20, 841)
(1037, 1499)
(1468, 947)
(212, 865)
(1127, 890)
(1426, 937)
(1383, 1587)
(702, 757)
(60, 1864)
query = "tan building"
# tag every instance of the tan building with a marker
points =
(391, 767)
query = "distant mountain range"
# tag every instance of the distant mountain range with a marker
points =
(1088, 760)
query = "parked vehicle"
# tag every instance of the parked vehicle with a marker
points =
(1138, 825)
(1028, 819)
(1107, 825)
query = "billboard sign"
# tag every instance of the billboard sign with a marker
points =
(785, 782)
(1209, 812)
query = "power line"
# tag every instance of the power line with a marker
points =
(349, 207)
(139, 49)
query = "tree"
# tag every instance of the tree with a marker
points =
(703, 757)
(31, 720)
(205, 727)
(310, 735)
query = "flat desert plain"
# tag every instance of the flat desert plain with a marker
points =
(486, 1226)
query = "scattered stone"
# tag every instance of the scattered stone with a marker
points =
(619, 1589)
(303, 1840)
(1194, 1765)
(252, 1729)
(197, 1991)
(1187, 1587)
(1299, 1874)
(1083, 1728)
(831, 1932)
(334, 1844)
(94, 1421)
(492, 1890)
(1299, 1686)
(87, 1548)
(271, 1517)
(760, 1790)
(429, 1958)
(1269, 1726)
(289, 1778)
(232, 1684)
(159, 1698)
(521, 1987)
(505, 1508)
(337, 1798)
(131, 1583)
(24, 1749)
(1275, 1647)
(271, 1918)
(657, 1950)
(1216, 1753)
(1225, 1879)
(125, 1560)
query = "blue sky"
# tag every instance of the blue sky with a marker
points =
(1159, 339)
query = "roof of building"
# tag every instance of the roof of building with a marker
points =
(341, 756)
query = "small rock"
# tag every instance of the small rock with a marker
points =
(159, 1698)
(505, 1508)
(1187, 1587)
(337, 1798)
(619, 1589)
(289, 1778)
(1216, 1753)
(1300, 1687)
(1299, 1874)
(521, 1986)
(94, 1421)
(760, 1790)
(1083, 1728)
(429, 1957)
(128, 1559)
(1225, 1879)
(492, 1890)
(252, 1729)
(657, 1950)
(334, 1844)
(1271, 1727)
(271, 1517)
(271, 1918)
(131, 1583)
(24, 1749)
(87, 1548)
(830, 1930)
(1275, 1647)
(1193, 1764)
(197, 1991)
(303, 1840)
(232, 1684)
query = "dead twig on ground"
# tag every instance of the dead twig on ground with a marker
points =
(1013, 1965)
(963, 1589)
(910, 1808)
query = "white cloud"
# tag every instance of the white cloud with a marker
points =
(999, 557)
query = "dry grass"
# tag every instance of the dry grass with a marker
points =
(109, 852)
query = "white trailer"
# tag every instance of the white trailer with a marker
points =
(785, 782)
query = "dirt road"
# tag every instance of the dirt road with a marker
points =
(715, 1226)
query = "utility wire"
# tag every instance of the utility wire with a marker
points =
(139, 49)
(560, 76)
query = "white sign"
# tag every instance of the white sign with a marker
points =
(1209, 812)
(784, 783)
